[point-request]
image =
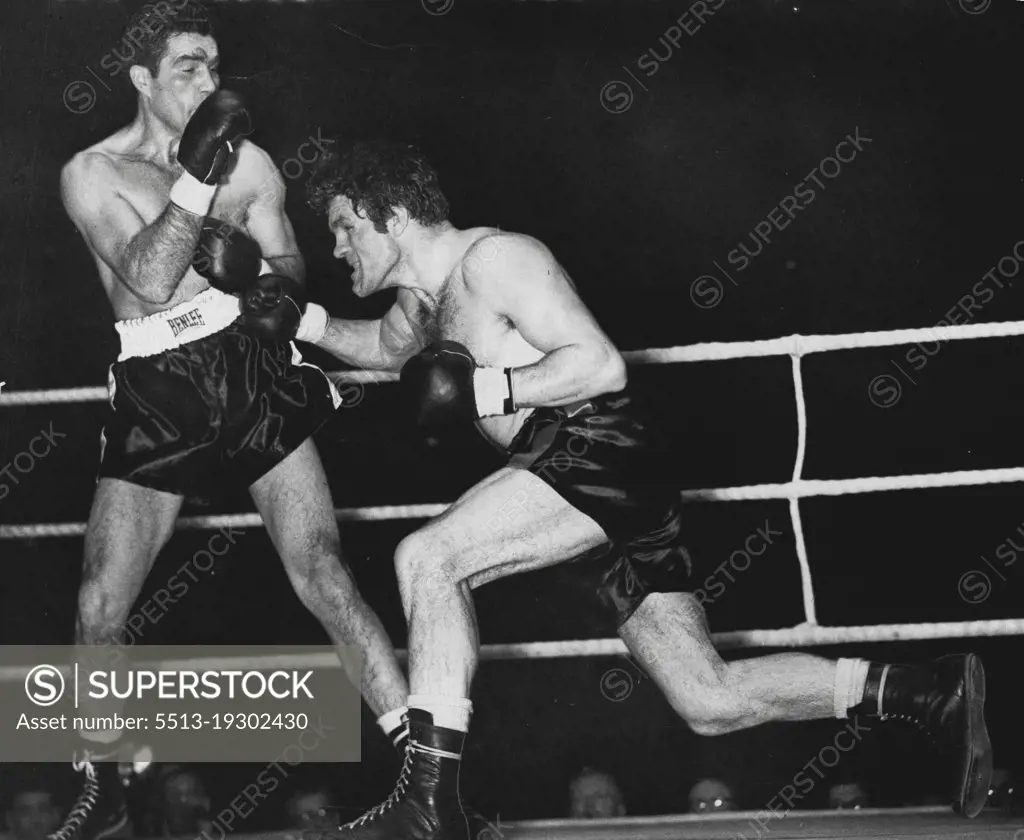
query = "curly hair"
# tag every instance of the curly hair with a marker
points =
(148, 30)
(377, 177)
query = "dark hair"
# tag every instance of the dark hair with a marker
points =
(148, 30)
(378, 177)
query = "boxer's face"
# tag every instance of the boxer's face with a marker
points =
(187, 74)
(371, 255)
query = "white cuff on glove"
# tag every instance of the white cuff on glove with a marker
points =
(192, 195)
(313, 325)
(492, 388)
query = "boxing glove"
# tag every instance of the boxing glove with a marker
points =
(226, 256)
(206, 148)
(272, 307)
(443, 385)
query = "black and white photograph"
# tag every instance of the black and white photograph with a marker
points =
(511, 420)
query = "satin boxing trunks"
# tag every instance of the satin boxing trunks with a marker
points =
(199, 407)
(607, 460)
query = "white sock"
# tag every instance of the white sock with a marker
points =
(392, 720)
(449, 712)
(848, 689)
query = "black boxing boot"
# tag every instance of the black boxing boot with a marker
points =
(101, 808)
(947, 700)
(425, 803)
(399, 736)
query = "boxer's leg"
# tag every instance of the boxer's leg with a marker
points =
(294, 500)
(668, 635)
(128, 526)
(511, 522)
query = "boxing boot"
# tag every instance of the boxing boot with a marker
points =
(425, 803)
(101, 808)
(946, 699)
(399, 736)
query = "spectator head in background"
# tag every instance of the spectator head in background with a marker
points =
(595, 795)
(184, 805)
(710, 796)
(1004, 793)
(309, 809)
(30, 810)
(847, 796)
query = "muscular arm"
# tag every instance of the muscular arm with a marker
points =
(384, 344)
(150, 260)
(266, 220)
(525, 284)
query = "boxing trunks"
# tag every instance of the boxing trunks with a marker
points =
(198, 406)
(606, 459)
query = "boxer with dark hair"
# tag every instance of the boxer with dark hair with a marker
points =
(488, 331)
(184, 218)
(149, 31)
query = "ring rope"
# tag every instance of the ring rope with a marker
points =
(804, 345)
(806, 582)
(800, 636)
(231, 520)
(755, 492)
(806, 488)
(711, 351)
(794, 346)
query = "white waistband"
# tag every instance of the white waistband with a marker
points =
(207, 313)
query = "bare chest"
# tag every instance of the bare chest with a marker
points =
(467, 319)
(147, 187)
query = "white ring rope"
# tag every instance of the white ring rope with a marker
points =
(800, 345)
(231, 520)
(795, 346)
(755, 492)
(806, 582)
(800, 636)
(804, 345)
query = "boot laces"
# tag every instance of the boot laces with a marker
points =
(392, 800)
(915, 722)
(83, 806)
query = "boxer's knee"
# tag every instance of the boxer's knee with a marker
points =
(319, 575)
(101, 613)
(110, 584)
(425, 564)
(406, 560)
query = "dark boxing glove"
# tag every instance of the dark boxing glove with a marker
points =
(226, 256)
(206, 147)
(443, 385)
(274, 307)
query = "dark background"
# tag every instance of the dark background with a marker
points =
(505, 99)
